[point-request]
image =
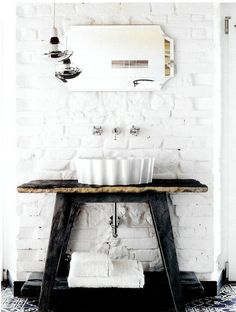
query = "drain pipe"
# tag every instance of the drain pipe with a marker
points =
(114, 221)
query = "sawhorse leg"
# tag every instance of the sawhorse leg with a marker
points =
(74, 211)
(162, 224)
(64, 212)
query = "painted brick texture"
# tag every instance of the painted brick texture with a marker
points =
(54, 127)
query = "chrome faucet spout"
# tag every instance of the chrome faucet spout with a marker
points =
(116, 132)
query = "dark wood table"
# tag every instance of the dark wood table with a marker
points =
(70, 196)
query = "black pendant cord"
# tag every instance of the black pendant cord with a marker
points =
(54, 14)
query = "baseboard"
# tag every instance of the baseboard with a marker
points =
(15, 285)
(10, 281)
(17, 288)
(212, 288)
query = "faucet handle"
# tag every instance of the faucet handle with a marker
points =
(134, 130)
(97, 130)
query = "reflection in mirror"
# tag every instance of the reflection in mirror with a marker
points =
(121, 57)
(167, 57)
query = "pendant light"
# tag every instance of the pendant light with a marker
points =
(54, 51)
(64, 68)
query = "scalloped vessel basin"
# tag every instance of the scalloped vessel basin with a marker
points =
(115, 171)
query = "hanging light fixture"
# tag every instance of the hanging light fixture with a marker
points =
(64, 69)
(54, 51)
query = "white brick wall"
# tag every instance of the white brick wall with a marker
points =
(55, 126)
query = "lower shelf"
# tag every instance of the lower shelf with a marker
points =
(156, 292)
(154, 281)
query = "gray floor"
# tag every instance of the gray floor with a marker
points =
(225, 301)
(9, 303)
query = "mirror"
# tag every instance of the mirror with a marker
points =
(121, 57)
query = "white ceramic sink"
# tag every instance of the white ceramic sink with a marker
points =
(115, 171)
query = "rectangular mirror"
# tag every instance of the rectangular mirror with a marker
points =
(120, 57)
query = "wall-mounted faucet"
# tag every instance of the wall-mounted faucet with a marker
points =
(116, 132)
(134, 131)
(97, 130)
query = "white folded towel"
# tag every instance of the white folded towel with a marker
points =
(125, 274)
(88, 264)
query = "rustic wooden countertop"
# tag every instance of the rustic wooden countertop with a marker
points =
(72, 186)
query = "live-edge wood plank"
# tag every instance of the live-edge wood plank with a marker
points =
(72, 186)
